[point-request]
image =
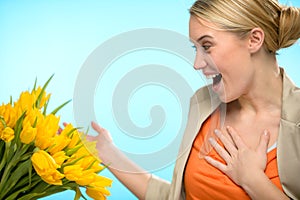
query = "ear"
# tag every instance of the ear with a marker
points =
(256, 40)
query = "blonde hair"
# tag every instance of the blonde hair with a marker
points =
(281, 24)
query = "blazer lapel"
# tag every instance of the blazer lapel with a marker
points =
(203, 103)
(288, 148)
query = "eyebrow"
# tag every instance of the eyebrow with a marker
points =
(202, 37)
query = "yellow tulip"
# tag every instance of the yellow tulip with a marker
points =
(60, 157)
(86, 162)
(75, 135)
(44, 97)
(95, 193)
(32, 116)
(45, 166)
(79, 154)
(90, 147)
(97, 167)
(71, 172)
(7, 134)
(25, 102)
(43, 161)
(59, 142)
(97, 189)
(46, 130)
(53, 177)
(9, 115)
(79, 175)
(101, 182)
(43, 142)
(28, 134)
(75, 139)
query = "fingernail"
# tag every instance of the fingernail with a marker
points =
(217, 132)
(211, 140)
(206, 157)
(265, 132)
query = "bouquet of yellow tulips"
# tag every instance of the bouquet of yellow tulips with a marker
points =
(39, 158)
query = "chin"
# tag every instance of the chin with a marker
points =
(225, 98)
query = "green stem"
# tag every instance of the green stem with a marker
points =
(5, 154)
(3, 121)
(17, 174)
(16, 194)
(18, 156)
(44, 189)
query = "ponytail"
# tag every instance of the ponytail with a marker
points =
(289, 27)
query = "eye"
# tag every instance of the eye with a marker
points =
(206, 47)
(194, 47)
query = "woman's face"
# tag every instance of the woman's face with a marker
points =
(223, 57)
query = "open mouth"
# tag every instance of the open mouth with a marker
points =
(217, 79)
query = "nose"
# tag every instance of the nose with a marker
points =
(199, 62)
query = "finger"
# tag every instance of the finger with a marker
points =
(59, 130)
(96, 127)
(102, 131)
(216, 163)
(263, 142)
(235, 137)
(220, 150)
(228, 143)
(90, 138)
(65, 124)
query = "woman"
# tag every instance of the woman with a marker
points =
(254, 150)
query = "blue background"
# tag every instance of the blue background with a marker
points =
(41, 38)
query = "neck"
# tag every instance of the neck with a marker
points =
(265, 94)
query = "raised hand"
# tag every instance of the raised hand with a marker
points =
(131, 175)
(242, 162)
(104, 143)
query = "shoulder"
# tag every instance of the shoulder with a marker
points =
(202, 94)
(290, 100)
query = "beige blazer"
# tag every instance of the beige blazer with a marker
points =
(202, 104)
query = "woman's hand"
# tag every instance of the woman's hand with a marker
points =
(103, 134)
(131, 175)
(242, 162)
(110, 154)
(104, 143)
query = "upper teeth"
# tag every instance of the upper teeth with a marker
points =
(212, 76)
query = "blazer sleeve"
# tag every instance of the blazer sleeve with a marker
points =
(157, 188)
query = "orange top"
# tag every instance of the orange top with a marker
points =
(203, 181)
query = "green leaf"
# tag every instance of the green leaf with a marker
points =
(23, 189)
(18, 128)
(2, 150)
(30, 174)
(35, 122)
(34, 86)
(60, 107)
(35, 178)
(71, 151)
(33, 196)
(78, 193)
(15, 176)
(44, 189)
(73, 162)
(38, 100)
(3, 121)
(10, 162)
(45, 107)
(4, 158)
(71, 131)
